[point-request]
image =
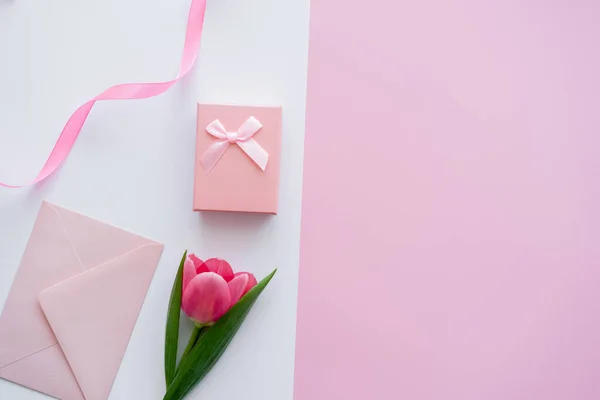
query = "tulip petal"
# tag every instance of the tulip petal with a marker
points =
(201, 268)
(199, 264)
(220, 267)
(189, 272)
(251, 281)
(207, 298)
(237, 287)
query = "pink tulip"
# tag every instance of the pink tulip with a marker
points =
(210, 288)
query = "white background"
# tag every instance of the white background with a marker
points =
(133, 163)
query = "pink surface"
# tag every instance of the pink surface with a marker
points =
(236, 183)
(450, 217)
(73, 305)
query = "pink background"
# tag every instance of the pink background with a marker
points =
(451, 191)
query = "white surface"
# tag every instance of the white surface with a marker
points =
(133, 163)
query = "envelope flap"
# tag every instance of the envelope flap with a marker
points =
(93, 315)
(45, 371)
(86, 234)
(48, 260)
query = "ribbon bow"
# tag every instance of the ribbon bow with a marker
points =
(242, 137)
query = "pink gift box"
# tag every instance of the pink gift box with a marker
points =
(233, 145)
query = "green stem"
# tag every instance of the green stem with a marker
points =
(193, 340)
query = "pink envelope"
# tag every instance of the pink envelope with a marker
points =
(73, 305)
(236, 182)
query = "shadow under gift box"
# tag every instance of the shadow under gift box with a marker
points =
(237, 182)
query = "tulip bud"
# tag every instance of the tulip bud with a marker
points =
(210, 288)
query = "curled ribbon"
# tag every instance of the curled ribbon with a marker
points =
(242, 137)
(72, 128)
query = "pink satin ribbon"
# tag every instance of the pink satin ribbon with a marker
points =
(242, 137)
(72, 128)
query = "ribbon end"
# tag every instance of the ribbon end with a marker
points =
(263, 164)
(212, 155)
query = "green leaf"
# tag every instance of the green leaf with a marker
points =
(172, 326)
(212, 344)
